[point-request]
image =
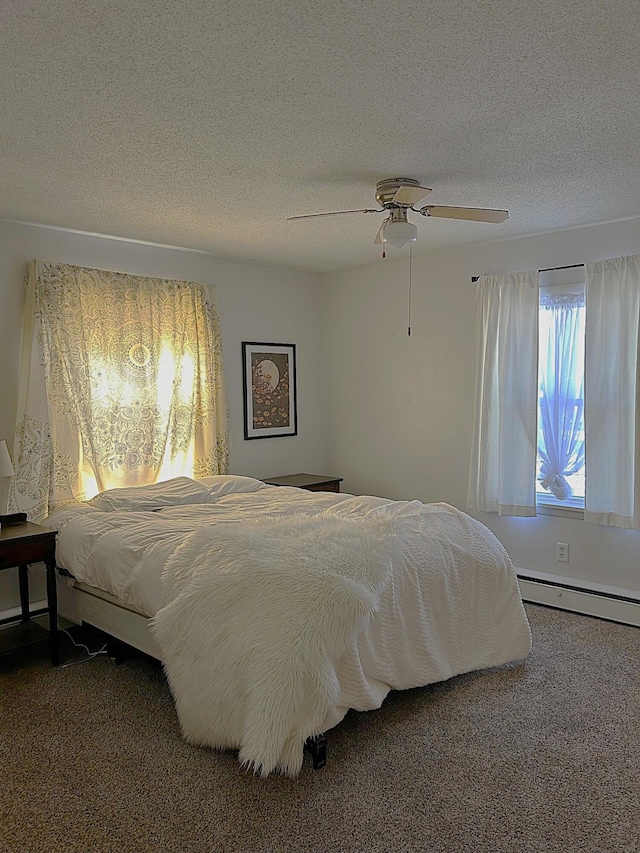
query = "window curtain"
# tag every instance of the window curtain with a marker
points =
(503, 457)
(612, 422)
(561, 377)
(121, 385)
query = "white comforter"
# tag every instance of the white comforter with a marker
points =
(279, 610)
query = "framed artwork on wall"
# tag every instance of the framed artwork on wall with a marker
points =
(269, 376)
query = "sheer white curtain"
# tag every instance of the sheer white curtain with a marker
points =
(612, 421)
(561, 377)
(503, 457)
(121, 385)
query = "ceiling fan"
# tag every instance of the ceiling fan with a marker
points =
(396, 196)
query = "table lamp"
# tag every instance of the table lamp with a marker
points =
(6, 472)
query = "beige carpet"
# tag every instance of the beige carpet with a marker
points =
(540, 756)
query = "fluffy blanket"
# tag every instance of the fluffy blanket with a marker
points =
(256, 617)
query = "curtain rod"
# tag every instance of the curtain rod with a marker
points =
(548, 269)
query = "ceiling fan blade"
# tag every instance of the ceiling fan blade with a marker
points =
(334, 213)
(473, 214)
(410, 195)
(380, 232)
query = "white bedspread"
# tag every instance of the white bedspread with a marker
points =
(279, 610)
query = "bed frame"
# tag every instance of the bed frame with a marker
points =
(86, 605)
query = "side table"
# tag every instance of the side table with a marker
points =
(22, 543)
(310, 482)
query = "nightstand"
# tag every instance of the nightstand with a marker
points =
(310, 482)
(22, 543)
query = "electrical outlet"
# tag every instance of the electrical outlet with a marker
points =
(562, 553)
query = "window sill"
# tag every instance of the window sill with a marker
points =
(575, 512)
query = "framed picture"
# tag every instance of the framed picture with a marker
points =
(269, 375)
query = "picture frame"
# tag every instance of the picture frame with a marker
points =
(269, 390)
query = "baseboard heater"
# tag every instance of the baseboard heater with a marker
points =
(554, 592)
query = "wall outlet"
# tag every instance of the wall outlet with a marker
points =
(562, 552)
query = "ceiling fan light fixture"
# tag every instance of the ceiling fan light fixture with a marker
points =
(399, 234)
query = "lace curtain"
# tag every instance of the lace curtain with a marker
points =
(121, 385)
(561, 377)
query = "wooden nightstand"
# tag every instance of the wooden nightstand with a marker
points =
(310, 482)
(23, 543)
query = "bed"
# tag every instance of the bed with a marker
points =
(275, 610)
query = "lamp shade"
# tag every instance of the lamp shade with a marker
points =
(6, 468)
(399, 234)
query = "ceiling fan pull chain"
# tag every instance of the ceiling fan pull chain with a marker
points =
(410, 287)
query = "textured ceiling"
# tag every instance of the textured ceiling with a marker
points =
(205, 124)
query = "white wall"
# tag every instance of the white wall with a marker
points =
(396, 409)
(255, 303)
(399, 409)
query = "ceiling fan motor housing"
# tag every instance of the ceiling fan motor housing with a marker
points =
(386, 190)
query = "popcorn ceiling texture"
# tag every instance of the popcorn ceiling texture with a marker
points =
(205, 125)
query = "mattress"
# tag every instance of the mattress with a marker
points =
(249, 588)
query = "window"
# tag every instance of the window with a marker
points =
(560, 470)
(122, 385)
(557, 411)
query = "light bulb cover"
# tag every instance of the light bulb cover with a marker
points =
(399, 234)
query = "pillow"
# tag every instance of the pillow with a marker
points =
(176, 492)
(226, 484)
